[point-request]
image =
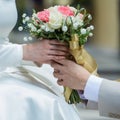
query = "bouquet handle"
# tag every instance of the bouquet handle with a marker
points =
(83, 58)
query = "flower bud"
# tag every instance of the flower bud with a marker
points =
(20, 28)
(83, 31)
(64, 28)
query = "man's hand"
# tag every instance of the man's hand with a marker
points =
(70, 74)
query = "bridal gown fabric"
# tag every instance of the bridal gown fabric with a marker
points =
(22, 95)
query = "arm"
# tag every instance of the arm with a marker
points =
(43, 51)
(105, 92)
(10, 55)
(109, 99)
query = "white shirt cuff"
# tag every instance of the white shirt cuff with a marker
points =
(91, 91)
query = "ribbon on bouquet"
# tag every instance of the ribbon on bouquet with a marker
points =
(83, 58)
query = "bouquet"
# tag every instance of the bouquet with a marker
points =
(66, 24)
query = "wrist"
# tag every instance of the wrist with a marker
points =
(27, 49)
(85, 80)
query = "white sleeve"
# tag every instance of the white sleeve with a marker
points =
(91, 91)
(11, 55)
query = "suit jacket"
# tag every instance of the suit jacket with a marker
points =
(109, 99)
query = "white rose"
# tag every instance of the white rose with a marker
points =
(49, 28)
(55, 8)
(55, 20)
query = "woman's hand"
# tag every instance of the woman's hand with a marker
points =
(44, 51)
(70, 74)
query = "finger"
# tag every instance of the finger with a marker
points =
(56, 71)
(56, 58)
(57, 53)
(62, 62)
(56, 66)
(57, 75)
(60, 48)
(60, 82)
(57, 42)
(38, 64)
(49, 62)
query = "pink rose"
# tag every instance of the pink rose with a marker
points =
(44, 15)
(65, 10)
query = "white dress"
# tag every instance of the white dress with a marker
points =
(22, 95)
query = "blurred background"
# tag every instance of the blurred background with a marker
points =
(104, 46)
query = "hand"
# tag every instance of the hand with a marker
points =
(44, 51)
(70, 74)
